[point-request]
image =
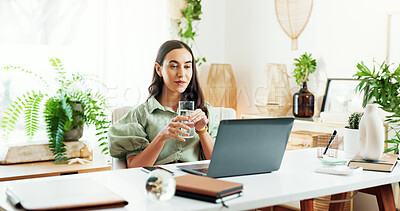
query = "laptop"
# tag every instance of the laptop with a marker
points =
(246, 146)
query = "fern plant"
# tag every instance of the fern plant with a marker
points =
(59, 110)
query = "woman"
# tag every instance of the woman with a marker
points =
(147, 135)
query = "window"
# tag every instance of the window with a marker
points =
(115, 40)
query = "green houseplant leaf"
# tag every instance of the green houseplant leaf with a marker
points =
(304, 66)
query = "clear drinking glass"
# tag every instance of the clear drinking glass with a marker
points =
(185, 109)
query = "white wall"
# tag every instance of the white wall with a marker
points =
(211, 40)
(340, 33)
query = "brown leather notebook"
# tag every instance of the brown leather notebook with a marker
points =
(70, 193)
(206, 188)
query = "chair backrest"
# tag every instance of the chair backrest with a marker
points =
(221, 113)
(117, 114)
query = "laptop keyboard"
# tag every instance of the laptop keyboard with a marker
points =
(202, 170)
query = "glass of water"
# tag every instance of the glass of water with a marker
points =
(185, 109)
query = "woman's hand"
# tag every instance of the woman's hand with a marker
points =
(199, 118)
(173, 127)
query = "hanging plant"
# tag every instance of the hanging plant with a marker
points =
(187, 25)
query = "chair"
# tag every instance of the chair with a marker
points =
(220, 113)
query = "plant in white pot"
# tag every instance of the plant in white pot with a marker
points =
(381, 87)
(352, 134)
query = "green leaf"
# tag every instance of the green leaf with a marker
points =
(392, 141)
(390, 149)
(10, 118)
(102, 138)
(105, 149)
(31, 113)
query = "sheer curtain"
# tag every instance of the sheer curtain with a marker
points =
(117, 40)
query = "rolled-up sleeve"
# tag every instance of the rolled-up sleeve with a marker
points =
(127, 136)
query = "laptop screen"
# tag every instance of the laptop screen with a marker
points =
(249, 146)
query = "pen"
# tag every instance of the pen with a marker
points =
(330, 141)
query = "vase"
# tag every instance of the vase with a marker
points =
(303, 102)
(372, 133)
(351, 141)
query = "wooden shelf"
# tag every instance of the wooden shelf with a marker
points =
(48, 168)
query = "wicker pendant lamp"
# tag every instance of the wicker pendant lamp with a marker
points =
(220, 90)
(293, 16)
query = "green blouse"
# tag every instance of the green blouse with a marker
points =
(134, 131)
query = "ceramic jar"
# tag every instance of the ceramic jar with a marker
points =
(372, 133)
(351, 141)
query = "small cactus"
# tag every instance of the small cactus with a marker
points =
(354, 120)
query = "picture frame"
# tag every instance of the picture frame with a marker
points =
(341, 96)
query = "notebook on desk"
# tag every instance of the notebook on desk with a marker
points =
(246, 146)
(61, 194)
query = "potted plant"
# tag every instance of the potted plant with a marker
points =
(303, 101)
(352, 134)
(66, 108)
(382, 87)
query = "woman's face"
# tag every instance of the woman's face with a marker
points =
(176, 70)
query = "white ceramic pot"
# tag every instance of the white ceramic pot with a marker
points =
(351, 141)
(372, 133)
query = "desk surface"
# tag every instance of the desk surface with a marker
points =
(48, 168)
(296, 180)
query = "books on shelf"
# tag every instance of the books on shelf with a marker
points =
(207, 188)
(386, 163)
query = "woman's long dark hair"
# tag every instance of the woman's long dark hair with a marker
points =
(193, 91)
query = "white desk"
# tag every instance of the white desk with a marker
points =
(295, 180)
